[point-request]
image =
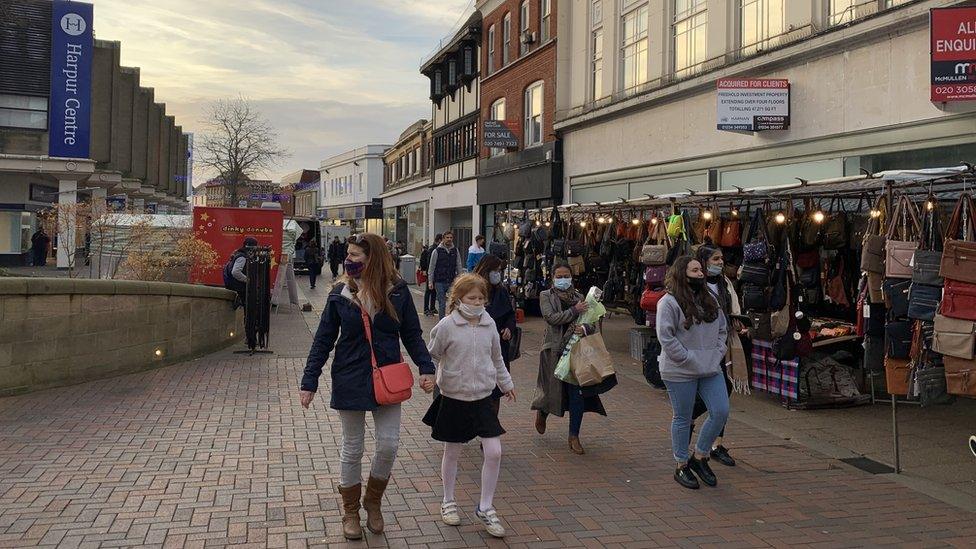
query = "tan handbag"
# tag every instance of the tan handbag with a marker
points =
(656, 253)
(960, 376)
(899, 251)
(898, 371)
(959, 253)
(954, 337)
(873, 248)
(875, 290)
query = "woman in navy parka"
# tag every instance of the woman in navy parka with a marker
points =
(372, 284)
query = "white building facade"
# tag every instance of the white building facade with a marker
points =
(349, 183)
(455, 116)
(637, 98)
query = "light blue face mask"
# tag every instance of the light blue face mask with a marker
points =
(562, 284)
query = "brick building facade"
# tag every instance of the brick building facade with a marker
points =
(518, 86)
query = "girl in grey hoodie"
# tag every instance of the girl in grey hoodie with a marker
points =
(693, 334)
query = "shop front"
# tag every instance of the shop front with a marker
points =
(358, 218)
(517, 180)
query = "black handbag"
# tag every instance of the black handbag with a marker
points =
(925, 268)
(784, 348)
(898, 339)
(875, 324)
(930, 380)
(923, 301)
(755, 274)
(515, 345)
(761, 326)
(574, 248)
(652, 371)
(833, 233)
(896, 296)
(499, 250)
(755, 298)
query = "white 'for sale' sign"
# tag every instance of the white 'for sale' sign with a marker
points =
(752, 105)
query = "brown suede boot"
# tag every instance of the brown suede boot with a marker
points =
(351, 527)
(575, 446)
(540, 422)
(372, 501)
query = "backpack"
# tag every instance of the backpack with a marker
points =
(230, 282)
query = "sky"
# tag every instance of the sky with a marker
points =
(329, 75)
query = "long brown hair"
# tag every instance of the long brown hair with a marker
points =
(487, 264)
(462, 286)
(698, 306)
(378, 275)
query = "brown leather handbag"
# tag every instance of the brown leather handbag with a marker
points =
(960, 376)
(898, 372)
(873, 249)
(731, 233)
(959, 252)
(904, 232)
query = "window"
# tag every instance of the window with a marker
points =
(690, 35)
(597, 68)
(456, 145)
(506, 38)
(497, 113)
(451, 73)
(523, 27)
(360, 182)
(633, 49)
(491, 49)
(545, 10)
(842, 11)
(893, 3)
(596, 12)
(22, 111)
(533, 115)
(761, 22)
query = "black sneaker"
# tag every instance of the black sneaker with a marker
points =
(686, 478)
(721, 455)
(700, 467)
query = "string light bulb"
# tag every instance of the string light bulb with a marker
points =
(583, 224)
(548, 224)
(875, 213)
(818, 216)
(538, 223)
(707, 215)
(505, 225)
(635, 221)
(609, 220)
(780, 218)
(929, 205)
(735, 213)
(653, 221)
(601, 220)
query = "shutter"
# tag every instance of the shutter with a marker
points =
(25, 47)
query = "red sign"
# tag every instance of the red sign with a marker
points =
(225, 230)
(953, 54)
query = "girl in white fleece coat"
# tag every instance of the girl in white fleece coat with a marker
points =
(467, 349)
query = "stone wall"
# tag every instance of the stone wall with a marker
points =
(56, 332)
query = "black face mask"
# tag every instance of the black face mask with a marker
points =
(696, 283)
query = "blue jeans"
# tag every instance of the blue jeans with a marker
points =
(682, 394)
(576, 408)
(442, 288)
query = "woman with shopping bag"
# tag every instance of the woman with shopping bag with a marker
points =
(694, 337)
(561, 306)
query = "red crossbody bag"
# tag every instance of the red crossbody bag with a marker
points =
(393, 383)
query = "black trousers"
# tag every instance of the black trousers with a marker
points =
(430, 299)
(334, 266)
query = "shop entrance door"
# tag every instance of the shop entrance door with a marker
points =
(463, 240)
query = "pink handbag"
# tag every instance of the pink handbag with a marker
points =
(899, 253)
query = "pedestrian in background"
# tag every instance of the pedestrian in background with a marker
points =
(713, 261)
(468, 352)
(500, 309)
(476, 252)
(693, 334)
(445, 266)
(337, 254)
(561, 306)
(371, 287)
(313, 260)
(430, 296)
(40, 243)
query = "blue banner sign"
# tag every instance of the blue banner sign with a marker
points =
(72, 50)
(116, 203)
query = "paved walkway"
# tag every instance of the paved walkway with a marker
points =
(218, 452)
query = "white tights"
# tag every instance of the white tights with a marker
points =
(492, 448)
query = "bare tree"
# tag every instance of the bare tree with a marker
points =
(238, 143)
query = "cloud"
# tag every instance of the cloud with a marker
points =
(330, 75)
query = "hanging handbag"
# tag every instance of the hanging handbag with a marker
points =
(731, 233)
(960, 376)
(757, 275)
(928, 257)
(655, 253)
(898, 371)
(896, 296)
(715, 228)
(809, 238)
(930, 381)
(654, 276)
(954, 337)
(958, 300)
(836, 286)
(650, 298)
(760, 328)
(959, 253)
(898, 339)
(755, 298)
(873, 250)
(392, 383)
(876, 287)
(923, 301)
(756, 248)
(515, 345)
(833, 232)
(899, 252)
(676, 226)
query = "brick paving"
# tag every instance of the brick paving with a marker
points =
(217, 452)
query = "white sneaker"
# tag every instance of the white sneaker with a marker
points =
(449, 513)
(491, 522)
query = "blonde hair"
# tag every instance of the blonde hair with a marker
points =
(463, 285)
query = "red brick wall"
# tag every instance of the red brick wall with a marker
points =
(510, 82)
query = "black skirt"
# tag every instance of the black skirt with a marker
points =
(453, 420)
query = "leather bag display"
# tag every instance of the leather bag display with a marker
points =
(923, 301)
(898, 372)
(655, 249)
(756, 275)
(927, 260)
(392, 383)
(896, 296)
(731, 233)
(958, 300)
(873, 249)
(959, 253)
(960, 376)
(954, 337)
(898, 339)
(755, 298)
(756, 248)
(904, 231)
